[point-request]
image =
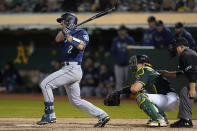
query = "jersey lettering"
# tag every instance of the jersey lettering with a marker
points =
(188, 68)
(86, 37)
(70, 49)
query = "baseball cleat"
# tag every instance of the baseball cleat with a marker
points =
(182, 123)
(158, 123)
(102, 122)
(166, 120)
(149, 121)
(47, 118)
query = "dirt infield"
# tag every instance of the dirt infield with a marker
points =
(82, 124)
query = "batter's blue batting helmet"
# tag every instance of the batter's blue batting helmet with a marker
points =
(69, 18)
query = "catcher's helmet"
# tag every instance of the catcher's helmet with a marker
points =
(69, 18)
(138, 59)
(175, 43)
(143, 59)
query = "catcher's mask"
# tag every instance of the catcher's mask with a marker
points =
(172, 48)
(138, 59)
(69, 18)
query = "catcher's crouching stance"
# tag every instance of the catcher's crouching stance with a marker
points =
(154, 94)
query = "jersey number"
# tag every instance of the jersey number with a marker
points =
(70, 49)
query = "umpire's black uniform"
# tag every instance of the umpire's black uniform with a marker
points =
(188, 64)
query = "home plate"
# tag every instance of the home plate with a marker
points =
(24, 125)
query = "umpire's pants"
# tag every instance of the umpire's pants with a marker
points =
(186, 104)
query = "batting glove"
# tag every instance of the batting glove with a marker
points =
(68, 29)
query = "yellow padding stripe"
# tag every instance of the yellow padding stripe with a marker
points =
(155, 88)
(160, 119)
(142, 102)
(139, 70)
(155, 121)
(148, 64)
(137, 95)
(142, 68)
(141, 83)
(143, 99)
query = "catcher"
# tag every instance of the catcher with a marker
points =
(154, 94)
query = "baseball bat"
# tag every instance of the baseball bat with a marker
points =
(102, 13)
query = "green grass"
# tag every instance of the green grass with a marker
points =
(34, 109)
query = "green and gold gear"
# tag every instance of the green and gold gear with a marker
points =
(148, 107)
(152, 81)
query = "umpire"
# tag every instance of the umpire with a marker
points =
(188, 67)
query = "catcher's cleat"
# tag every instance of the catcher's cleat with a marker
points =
(166, 120)
(182, 123)
(47, 118)
(102, 122)
(149, 121)
(158, 123)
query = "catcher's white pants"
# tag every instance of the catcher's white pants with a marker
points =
(168, 102)
(69, 77)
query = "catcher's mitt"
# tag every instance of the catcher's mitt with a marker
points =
(112, 99)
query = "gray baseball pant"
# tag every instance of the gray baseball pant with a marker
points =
(121, 74)
(69, 76)
(186, 104)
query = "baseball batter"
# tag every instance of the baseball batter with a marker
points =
(74, 43)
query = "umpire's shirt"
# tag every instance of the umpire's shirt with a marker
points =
(188, 64)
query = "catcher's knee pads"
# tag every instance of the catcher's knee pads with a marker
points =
(147, 106)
